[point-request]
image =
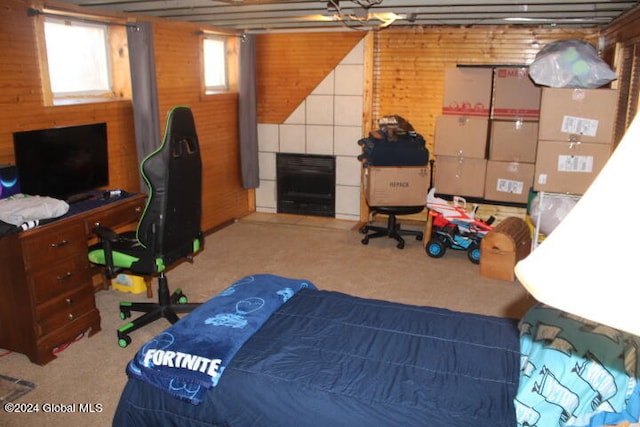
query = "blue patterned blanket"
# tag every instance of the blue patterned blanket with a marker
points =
(189, 357)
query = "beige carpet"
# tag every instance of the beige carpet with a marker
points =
(91, 371)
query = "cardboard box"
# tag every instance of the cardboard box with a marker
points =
(503, 247)
(396, 186)
(564, 167)
(461, 136)
(460, 176)
(467, 91)
(515, 95)
(513, 141)
(508, 181)
(578, 115)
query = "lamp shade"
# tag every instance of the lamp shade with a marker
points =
(590, 264)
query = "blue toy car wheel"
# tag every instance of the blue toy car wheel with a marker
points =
(473, 253)
(436, 248)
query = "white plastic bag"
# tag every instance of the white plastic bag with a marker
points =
(570, 64)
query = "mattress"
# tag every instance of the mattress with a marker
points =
(330, 359)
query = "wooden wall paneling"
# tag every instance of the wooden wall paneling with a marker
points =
(178, 60)
(625, 28)
(178, 53)
(22, 103)
(290, 66)
(410, 64)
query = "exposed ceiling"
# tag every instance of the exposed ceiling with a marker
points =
(272, 15)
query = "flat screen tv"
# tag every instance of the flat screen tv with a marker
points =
(63, 161)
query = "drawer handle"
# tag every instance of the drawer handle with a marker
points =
(60, 244)
(65, 276)
(69, 301)
(71, 316)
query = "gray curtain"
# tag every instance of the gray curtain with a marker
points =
(247, 113)
(144, 91)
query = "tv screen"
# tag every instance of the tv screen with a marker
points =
(63, 161)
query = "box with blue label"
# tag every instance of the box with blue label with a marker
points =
(129, 283)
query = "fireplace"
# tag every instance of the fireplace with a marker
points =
(306, 184)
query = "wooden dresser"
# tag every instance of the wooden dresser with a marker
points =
(46, 286)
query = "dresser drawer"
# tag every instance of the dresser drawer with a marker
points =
(45, 247)
(62, 311)
(127, 212)
(62, 277)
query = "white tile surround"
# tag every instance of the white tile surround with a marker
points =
(328, 121)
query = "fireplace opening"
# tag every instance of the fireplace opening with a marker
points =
(306, 184)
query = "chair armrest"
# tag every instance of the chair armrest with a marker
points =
(107, 236)
(105, 233)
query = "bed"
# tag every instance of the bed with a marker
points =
(310, 357)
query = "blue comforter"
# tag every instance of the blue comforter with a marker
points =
(330, 359)
(190, 356)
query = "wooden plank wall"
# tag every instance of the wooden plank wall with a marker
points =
(178, 70)
(409, 64)
(22, 102)
(406, 79)
(291, 66)
(177, 53)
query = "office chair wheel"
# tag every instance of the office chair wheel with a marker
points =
(125, 313)
(178, 297)
(124, 341)
(400, 245)
(365, 241)
(419, 237)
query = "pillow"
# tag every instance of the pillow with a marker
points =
(573, 369)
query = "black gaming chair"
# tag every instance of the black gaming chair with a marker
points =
(169, 229)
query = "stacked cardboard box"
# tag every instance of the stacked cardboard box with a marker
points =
(575, 138)
(514, 135)
(461, 132)
(485, 140)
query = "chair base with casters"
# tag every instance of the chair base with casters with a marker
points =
(168, 307)
(392, 230)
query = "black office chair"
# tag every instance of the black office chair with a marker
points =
(395, 144)
(392, 229)
(169, 229)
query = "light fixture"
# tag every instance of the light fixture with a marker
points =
(589, 264)
(361, 18)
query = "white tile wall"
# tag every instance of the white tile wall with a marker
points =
(349, 80)
(328, 121)
(348, 110)
(319, 139)
(292, 139)
(268, 138)
(320, 109)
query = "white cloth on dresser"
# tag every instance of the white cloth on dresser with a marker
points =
(22, 208)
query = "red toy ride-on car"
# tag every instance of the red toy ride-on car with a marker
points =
(454, 228)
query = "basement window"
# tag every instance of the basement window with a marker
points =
(215, 64)
(80, 61)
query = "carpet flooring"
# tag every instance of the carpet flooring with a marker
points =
(91, 371)
(13, 388)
